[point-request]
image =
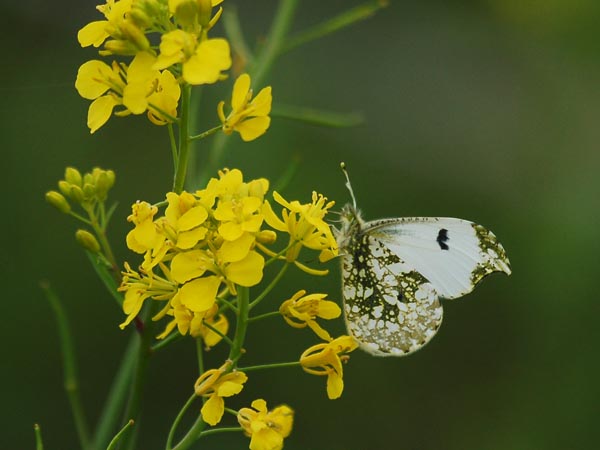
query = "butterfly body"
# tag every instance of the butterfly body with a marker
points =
(394, 272)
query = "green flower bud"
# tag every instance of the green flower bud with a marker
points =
(64, 187)
(186, 13)
(76, 193)
(204, 12)
(134, 35)
(72, 176)
(139, 17)
(89, 191)
(57, 200)
(87, 240)
(102, 186)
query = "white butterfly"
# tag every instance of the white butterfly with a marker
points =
(395, 270)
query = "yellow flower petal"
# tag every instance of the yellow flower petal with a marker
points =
(192, 218)
(188, 265)
(199, 294)
(261, 105)
(212, 410)
(91, 76)
(253, 128)
(240, 91)
(205, 66)
(231, 231)
(100, 111)
(94, 33)
(247, 272)
(237, 250)
(335, 386)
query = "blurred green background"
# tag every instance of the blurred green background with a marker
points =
(486, 110)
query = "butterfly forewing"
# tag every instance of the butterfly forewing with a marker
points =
(390, 308)
(453, 254)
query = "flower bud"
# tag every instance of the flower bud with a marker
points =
(204, 12)
(103, 185)
(64, 187)
(57, 200)
(87, 240)
(76, 193)
(72, 176)
(266, 237)
(134, 35)
(186, 12)
(89, 191)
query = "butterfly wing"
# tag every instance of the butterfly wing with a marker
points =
(389, 307)
(452, 254)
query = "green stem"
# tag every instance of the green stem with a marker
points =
(178, 419)
(184, 141)
(200, 355)
(117, 394)
(241, 324)
(71, 383)
(221, 430)
(214, 330)
(139, 378)
(117, 438)
(264, 316)
(106, 277)
(104, 244)
(206, 133)
(192, 435)
(270, 287)
(227, 304)
(173, 144)
(269, 366)
(330, 26)
(39, 444)
(166, 341)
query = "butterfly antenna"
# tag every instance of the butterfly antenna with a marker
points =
(348, 185)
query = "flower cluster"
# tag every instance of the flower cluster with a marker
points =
(266, 429)
(200, 251)
(152, 82)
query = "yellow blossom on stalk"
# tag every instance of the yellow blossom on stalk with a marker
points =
(266, 429)
(302, 310)
(327, 359)
(215, 384)
(249, 117)
(138, 88)
(306, 227)
(145, 235)
(139, 286)
(95, 33)
(202, 62)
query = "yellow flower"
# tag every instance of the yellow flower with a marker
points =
(302, 310)
(95, 33)
(144, 236)
(305, 225)
(266, 429)
(326, 359)
(248, 117)
(138, 88)
(217, 384)
(202, 61)
(185, 217)
(139, 286)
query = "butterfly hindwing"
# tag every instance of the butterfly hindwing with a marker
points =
(390, 308)
(452, 254)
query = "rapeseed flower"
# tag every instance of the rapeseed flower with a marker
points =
(249, 117)
(302, 310)
(326, 359)
(306, 227)
(214, 385)
(266, 429)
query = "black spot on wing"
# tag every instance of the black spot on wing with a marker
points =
(442, 238)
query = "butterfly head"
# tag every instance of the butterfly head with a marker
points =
(351, 220)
